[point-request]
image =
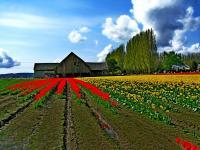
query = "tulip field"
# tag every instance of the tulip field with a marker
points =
(150, 112)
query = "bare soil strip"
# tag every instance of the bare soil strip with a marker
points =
(17, 133)
(9, 106)
(7, 103)
(70, 137)
(13, 114)
(3, 99)
(65, 127)
(188, 122)
(40, 128)
(88, 132)
(138, 132)
(101, 121)
(49, 133)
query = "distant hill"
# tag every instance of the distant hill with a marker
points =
(17, 75)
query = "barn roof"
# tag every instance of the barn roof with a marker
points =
(51, 66)
(45, 66)
(76, 57)
(97, 66)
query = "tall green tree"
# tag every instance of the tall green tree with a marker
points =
(117, 56)
(141, 53)
(170, 59)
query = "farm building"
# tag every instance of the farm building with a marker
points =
(198, 67)
(180, 67)
(71, 66)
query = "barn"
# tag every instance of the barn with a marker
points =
(70, 66)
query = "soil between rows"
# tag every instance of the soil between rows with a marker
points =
(42, 128)
(9, 105)
(89, 134)
(140, 132)
(36, 128)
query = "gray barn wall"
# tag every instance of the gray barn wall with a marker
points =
(73, 65)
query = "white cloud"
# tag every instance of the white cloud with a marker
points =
(33, 21)
(84, 30)
(123, 29)
(160, 15)
(22, 20)
(75, 36)
(194, 48)
(7, 61)
(102, 55)
(177, 43)
(141, 9)
(96, 42)
(190, 23)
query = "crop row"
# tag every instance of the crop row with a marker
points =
(44, 87)
(154, 99)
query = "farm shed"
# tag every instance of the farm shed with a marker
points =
(42, 69)
(180, 67)
(198, 67)
(70, 66)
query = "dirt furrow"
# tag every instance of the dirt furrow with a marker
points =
(70, 138)
(88, 131)
(40, 128)
(14, 114)
(5, 98)
(17, 133)
(135, 129)
(49, 133)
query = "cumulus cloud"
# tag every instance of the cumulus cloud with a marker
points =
(7, 61)
(75, 36)
(84, 30)
(123, 29)
(170, 22)
(190, 23)
(161, 15)
(102, 55)
(179, 39)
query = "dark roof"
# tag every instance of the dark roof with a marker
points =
(75, 56)
(70, 55)
(51, 66)
(45, 66)
(97, 66)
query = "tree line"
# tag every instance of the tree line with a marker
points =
(140, 55)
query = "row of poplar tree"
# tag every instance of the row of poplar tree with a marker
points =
(140, 56)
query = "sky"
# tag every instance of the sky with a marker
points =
(37, 31)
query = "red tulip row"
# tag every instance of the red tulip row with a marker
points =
(28, 87)
(45, 86)
(48, 88)
(61, 87)
(95, 90)
(34, 87)
(186, 145)
(74, 87)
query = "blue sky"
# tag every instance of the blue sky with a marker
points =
(47, 31)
